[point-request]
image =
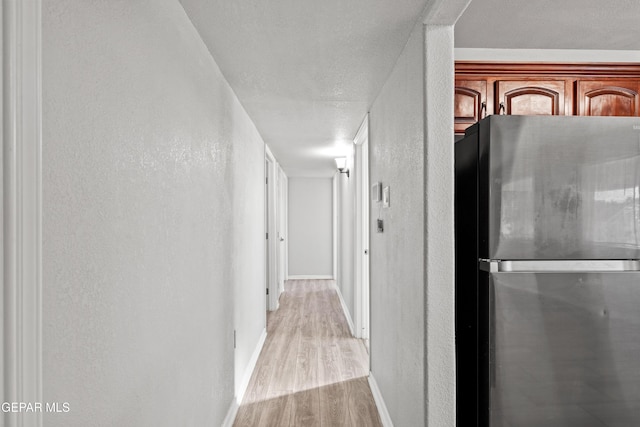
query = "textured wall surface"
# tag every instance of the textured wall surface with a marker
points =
(439, 260)
(149, 209)
(248, 256)
(396, 138)
(310, 227)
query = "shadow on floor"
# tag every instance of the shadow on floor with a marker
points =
(347, 403)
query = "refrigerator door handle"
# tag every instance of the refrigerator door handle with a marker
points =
(558, 266)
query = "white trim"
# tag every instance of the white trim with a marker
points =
(546, 55)
(363, 132)
(382, 407)
(344, 308)
(310, 277)
(2, 327)
(286, 226)
(282, 237)
(272, 284)
(22, 200)
(231, 414)
(334, 217)
(242, 388)
(277, 233)
(361, 160)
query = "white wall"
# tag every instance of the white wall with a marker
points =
(396, 138)
(439, 260)
(310, 227)
(152, 205)
(248, 259)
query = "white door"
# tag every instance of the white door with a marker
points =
(362, 232)
(365, 241)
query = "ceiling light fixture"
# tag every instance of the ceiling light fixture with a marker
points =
(341, 163)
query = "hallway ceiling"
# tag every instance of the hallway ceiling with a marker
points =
(306, 71)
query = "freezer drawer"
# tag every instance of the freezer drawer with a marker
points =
(563, 349)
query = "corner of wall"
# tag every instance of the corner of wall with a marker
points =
(438, 257)
(396, 159)
(345, 310)
(231, 414)
(251, 365)
(377, 397)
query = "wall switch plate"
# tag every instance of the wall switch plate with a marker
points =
(376, 191)
(380, 226)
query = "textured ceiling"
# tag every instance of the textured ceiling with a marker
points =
(306, 71)
(550, 24)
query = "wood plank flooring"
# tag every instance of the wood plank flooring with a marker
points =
(311, 371)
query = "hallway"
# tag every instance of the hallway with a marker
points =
(311, 372)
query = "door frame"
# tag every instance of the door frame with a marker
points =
(271, 248)
(21, 176)
(282, 227)
(334, 224)
(361, 257)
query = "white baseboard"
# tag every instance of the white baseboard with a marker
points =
(277, 304)
(347, 315)
(250, 367)
(235, 404)
(310, 277)
(377, 397)
(231, 414)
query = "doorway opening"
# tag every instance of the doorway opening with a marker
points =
(362, 297)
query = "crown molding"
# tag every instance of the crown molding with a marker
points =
(584, 69)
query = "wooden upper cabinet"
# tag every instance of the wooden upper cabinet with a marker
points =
(608, 98)
(534, 88)
(470, 104)
(530, 97)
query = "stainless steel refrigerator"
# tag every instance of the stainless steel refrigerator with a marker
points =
(548, 272)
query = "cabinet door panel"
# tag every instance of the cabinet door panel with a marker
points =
(608, 98)
(530, 97)
(469, 103)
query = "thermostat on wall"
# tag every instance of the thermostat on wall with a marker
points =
(376, 192)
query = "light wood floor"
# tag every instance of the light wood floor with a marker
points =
(311, 372)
